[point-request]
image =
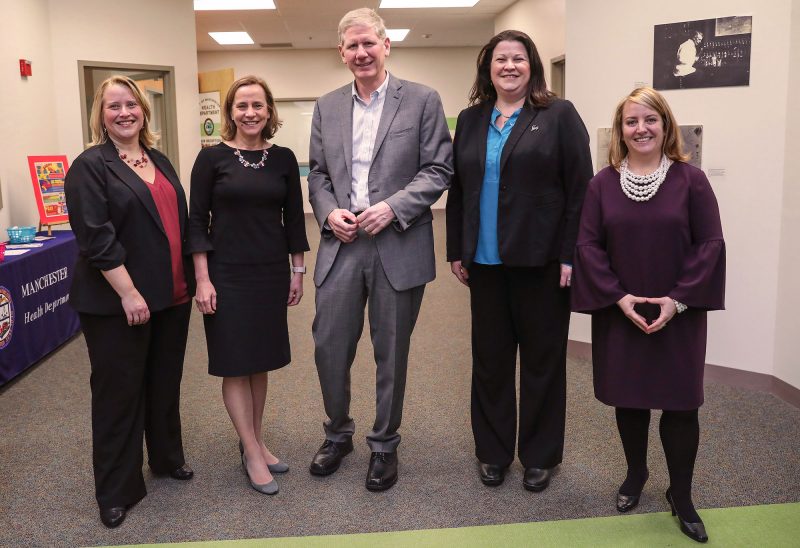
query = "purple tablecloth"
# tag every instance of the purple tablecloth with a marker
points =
(35, 316)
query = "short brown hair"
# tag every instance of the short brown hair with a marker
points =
(99, 133)
(483, 90)
(228, 125)
(650, 98)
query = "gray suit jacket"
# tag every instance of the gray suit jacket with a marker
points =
(412, 164)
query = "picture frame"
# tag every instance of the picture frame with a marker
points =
(47, 176)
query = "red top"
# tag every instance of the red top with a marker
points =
(167, 204)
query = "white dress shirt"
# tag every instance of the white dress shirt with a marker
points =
(366, 117)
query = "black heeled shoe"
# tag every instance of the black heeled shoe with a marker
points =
(693, 530)
(626, 503)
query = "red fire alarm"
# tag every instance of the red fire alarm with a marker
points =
(25, 68)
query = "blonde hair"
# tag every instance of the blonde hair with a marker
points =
(99, 133)
(362, 16)
(229, 126)
(650, 98)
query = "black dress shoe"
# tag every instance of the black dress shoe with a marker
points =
(695, 530)
(114, 516)
(537, 479)
(382, 473)
(492, 474)
(183, 472)
(329, 457)
(626, 503)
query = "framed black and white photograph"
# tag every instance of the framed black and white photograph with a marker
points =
(702, 54)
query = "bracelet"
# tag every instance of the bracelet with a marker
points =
(679, 306)
(300, 269)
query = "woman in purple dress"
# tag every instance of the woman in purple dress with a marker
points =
(649, 263)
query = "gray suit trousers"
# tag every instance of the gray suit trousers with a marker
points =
(357, 279)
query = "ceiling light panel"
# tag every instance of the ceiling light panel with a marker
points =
(225, 5)
(386, 4)
(231, 38)
(397, 35)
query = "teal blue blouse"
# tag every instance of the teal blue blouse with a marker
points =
(488, 251)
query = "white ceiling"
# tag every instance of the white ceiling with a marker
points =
(309, 24)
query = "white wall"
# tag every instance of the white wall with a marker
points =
(27, 107)
(543, 21)
(787, 342)
(150, 32)
(42, 114)
(609, 48)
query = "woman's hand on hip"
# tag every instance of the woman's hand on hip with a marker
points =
(295, 289)
(566, 275)
(206, 297)
(135, 307)
(626, 304)
(460, 272)
(668, 310)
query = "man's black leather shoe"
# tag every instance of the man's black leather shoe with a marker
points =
(183, 473)
(329, 457)
(382, 473)
(537, 479)
(492, 474)
(114, 516)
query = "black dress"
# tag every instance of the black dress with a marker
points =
(248, 221)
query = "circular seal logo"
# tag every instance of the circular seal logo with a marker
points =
(208, 127)
(6, 317)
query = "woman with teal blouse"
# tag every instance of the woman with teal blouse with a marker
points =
(522, 165)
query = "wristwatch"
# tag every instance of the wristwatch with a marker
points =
(300, 269)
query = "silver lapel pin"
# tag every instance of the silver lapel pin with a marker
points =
(534, 128)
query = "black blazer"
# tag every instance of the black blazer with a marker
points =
(545, 167)
(115, 222)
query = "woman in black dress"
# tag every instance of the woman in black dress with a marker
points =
(649, 263)
(132, 289)
(246, 216)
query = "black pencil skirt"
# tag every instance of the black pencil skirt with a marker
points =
(249, 333)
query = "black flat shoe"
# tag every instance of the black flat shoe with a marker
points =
(626, 503)
(329, 457)
(382, 473)
(537, 479)
(492, 474)
(114, 516)
(693, 530)
(183, 473)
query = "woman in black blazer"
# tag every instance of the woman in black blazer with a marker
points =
(522, 164)
(132, 291)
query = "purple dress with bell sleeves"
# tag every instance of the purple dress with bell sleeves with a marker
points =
(669, 246)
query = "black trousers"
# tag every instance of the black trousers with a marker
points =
(519, 308)
(135, 381)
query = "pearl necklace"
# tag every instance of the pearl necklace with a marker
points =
(245, 163)
(641, 188)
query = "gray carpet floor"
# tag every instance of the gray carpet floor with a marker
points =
(749, 454)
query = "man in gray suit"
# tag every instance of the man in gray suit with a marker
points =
(380, 155)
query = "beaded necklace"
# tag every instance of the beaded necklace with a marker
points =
(256, 165)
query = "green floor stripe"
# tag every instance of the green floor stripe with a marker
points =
(776, 525)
